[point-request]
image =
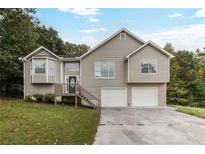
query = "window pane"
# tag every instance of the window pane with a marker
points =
(97, 70)
(72, 66)
(39, 66)
(144, 69)
(152, 68)
(104, 70)
(51, 67)
(111, 70)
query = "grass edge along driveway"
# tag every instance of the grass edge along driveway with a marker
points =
(199, 112)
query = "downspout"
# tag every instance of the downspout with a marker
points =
(61, 71)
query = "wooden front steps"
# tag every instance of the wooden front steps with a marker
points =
(77, 91)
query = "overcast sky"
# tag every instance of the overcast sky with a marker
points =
(184, 28)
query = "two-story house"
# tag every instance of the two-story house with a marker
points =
(121, 71)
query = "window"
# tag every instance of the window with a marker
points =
(51, 67)
(72, 66)
(104, 70)
(149, 66)
(122, 36)
(39, 66)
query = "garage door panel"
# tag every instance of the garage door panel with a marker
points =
(144, 96)
(114, 97)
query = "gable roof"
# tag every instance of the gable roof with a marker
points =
(153, 45)
(112, 36)
(39, 49)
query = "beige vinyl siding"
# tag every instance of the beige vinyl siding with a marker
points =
(148, 52)
(113, 51)
(161, 92)
(39, 78)
(32, 88)
(43, 53)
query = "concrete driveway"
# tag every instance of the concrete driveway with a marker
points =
(149, 126)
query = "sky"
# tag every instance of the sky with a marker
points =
(184, 28)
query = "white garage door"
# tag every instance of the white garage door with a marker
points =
(144, 96)
(114, 97)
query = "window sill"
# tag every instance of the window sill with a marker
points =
(148, 73)
(105, 78)
(40, 74)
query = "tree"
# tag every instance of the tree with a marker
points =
(73, 49)
(200, 53)
(169, 48)
(18, 38)
(49, 38)
(185, 86)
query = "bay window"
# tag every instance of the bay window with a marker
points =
(43, 70)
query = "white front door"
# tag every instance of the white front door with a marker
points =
(114, 97)
(145, 96)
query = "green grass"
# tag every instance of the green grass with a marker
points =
(199, 112)
(30, 123)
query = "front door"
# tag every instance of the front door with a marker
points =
(71, 83)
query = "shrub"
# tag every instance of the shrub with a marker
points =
(29, 98)
(178, 101)
(38, 97)
(16, 90)
(198, 104)
(49, 98)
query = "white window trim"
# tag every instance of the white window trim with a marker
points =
(105, 77)
(61, 69)
(44, 58)
(33, 67)
(124, 37)
(46, 69)
(148, 72)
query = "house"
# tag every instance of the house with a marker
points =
(121, 71)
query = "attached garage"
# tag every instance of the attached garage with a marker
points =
(114, 97)
(145, 96)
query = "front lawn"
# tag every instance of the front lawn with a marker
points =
(200, 112)
(30, 123)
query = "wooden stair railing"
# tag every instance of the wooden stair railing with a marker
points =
(87, 96)
(91, 100)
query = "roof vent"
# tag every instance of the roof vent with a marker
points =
(122, 36)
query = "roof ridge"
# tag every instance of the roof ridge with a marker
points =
(112, 36)
(153, 44)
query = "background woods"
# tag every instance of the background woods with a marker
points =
(187, 82)
(20, 34)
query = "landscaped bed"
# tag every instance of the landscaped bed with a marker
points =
(33, 123)
(200, 112)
